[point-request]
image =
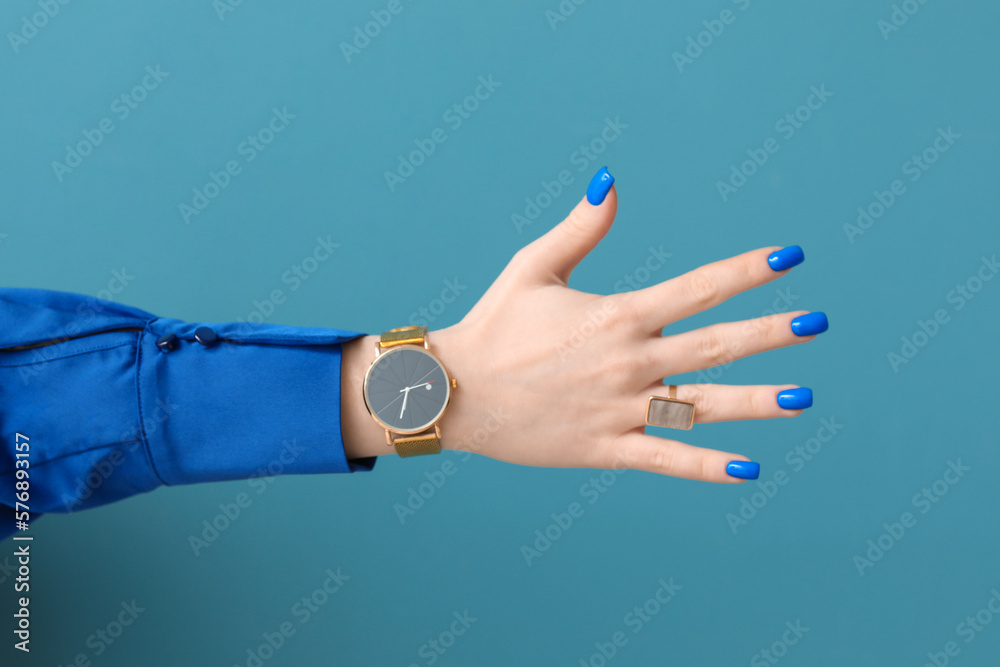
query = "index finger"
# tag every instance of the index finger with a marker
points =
(709, 285)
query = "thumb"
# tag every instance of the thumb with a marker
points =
(557, 253)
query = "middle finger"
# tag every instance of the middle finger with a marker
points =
(725, 342)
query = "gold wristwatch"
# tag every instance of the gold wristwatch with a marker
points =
(406, 391)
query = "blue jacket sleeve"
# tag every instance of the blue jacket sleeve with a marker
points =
(113, 401)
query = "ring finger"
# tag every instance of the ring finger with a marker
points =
(723, 402)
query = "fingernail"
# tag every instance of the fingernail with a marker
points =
(599, 186)
(810, 324)
(786, 258)
(743, 469)
(795, 399)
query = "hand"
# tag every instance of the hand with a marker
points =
(551, 376)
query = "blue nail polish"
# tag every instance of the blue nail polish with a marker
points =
(786, 258)
(795, 399)
(810, 324)
(599, 186)
(743, 469)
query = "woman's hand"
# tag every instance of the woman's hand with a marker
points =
(550, 376)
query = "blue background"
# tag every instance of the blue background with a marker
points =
(323, 176)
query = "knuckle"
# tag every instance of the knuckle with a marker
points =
(623, 453)
(705, 405)
(712, 348)
(620, 369)
(662, 458)
(752, 329)
(767, 328)
(614, 454)
(624, 310)
(762, 333)
(702, 288)
(574, 225)
(522, 258)
(650, 360)
(526, 255)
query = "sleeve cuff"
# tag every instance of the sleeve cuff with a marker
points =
(238, 408)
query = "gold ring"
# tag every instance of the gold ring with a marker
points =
(669, 412)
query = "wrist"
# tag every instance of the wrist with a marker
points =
(448, 345)
(363, 436)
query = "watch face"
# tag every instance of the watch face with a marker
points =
(406, 389)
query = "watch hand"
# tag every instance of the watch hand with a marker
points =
(428, 384)
(406, 394)
(425, 375)
(386, 406)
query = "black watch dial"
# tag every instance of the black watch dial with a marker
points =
(406, 389)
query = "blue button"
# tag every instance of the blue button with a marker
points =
(206, 336)
(167, 342)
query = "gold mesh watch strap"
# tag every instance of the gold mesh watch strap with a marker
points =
(417, 445)
(404, 336)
